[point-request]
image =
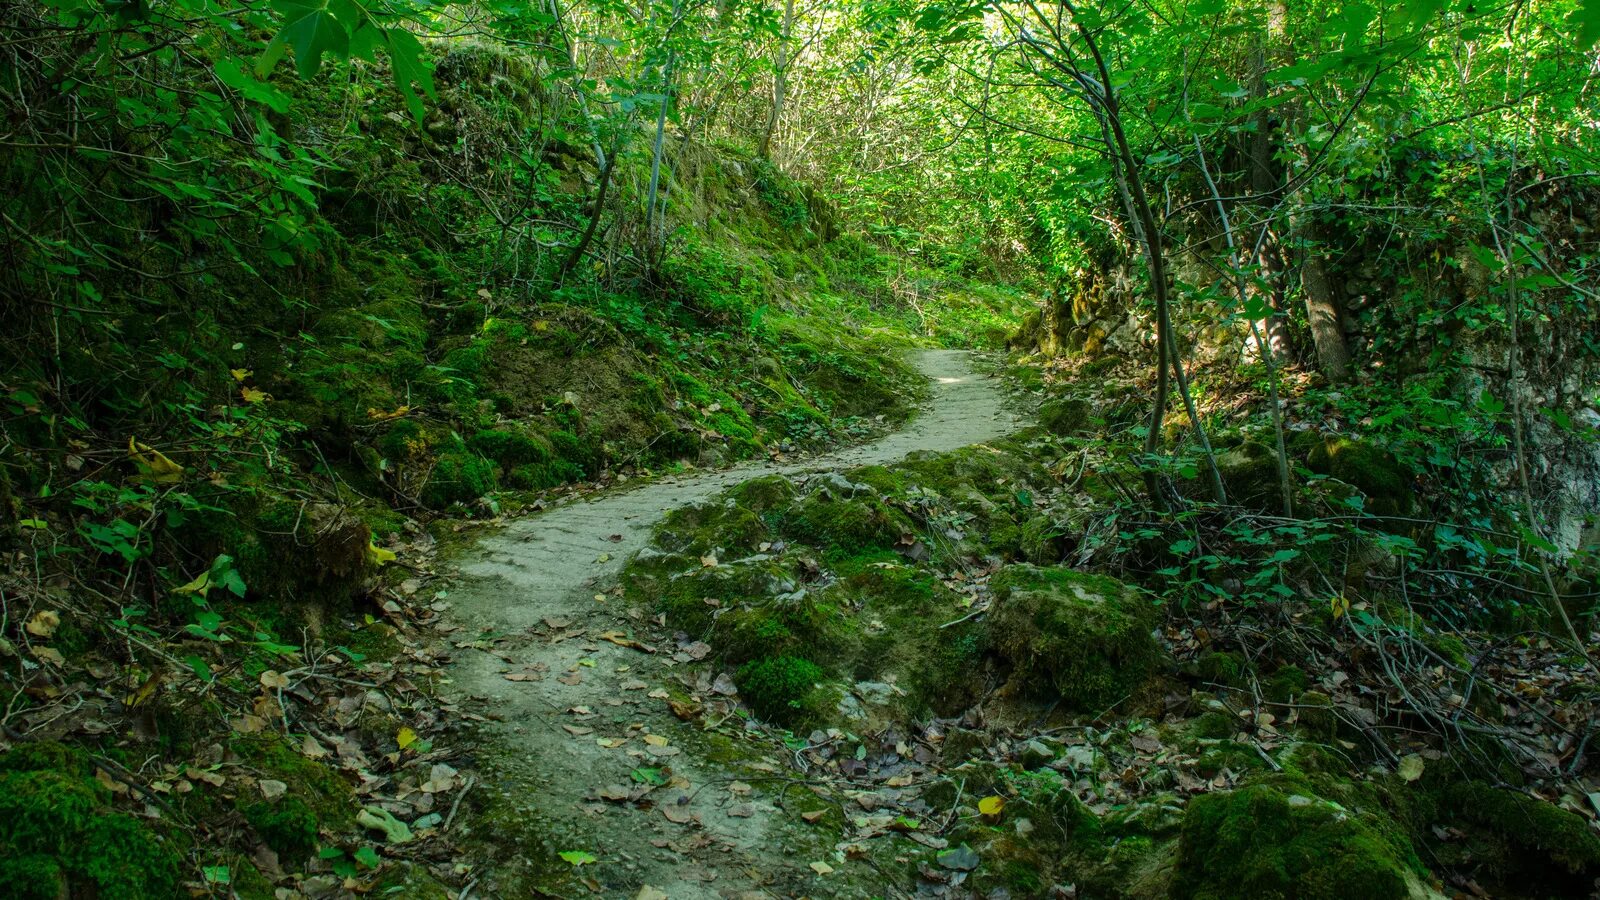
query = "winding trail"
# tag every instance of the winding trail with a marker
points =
(530, 593)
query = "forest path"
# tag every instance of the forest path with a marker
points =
(556, 693)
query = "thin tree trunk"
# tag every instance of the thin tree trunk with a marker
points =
(576, 256)
(780, 81)
(1241, 286)
(1324, 312)
(653, 241)
(1155, 259)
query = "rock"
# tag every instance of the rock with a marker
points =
(1083, 638)
(1065, 417)
(1263, 840)
(1370, 469)
(1035, 754)
(1250, 476)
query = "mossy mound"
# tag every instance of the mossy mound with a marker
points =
(835, 523)
(1514, 844)
(1282, 841)
(780, 688)
(726, 528)
(1250, 476)
(59, 837)
(1065, 417)
(1084, 638)
(1370, 469)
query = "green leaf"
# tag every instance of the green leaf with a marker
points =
(368, 857)
(578, 857)
(310, 31)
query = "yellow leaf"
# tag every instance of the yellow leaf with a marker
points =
(251, 395)
(655, 740)
(44, 623)
(378, 556)
(380, 415)
(991, 806)
(153, 464)
(406, 737)
(240, 374)
(1340, 605)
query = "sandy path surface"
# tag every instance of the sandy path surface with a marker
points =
(531, 589)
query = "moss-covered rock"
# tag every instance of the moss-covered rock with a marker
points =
(780, 688)
(1517, 837)
(1085, 638)
(1065, 417)
(60, 837)
(1250, 476)
(458, 477)
(1282, 841)
(1369, 468)
(716, 528)
(836, 523)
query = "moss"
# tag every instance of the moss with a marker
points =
(1042, 541)
(712, 529)
(58, 836)
(845, 524)
(1287, 683)
(1250, 476)
(779, 688)
(1263, 841)
(765, 494)
(1224, 668)
(288, 826)
(1087, 638)
(1369, 468)
(33, 877)
(1214, 725)
(458, 477)
(538, 476)
(1065, 417)
(328, 796)
(1536, 828)
(508, 448)
(124, 860)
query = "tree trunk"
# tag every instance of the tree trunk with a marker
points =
(780, 81)
(1324, 311)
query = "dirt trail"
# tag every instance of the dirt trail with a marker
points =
(537, 580)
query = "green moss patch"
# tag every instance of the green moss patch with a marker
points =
(1087, 638)
(1270, 841)
(59, 836)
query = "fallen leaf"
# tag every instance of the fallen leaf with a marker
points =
(271, 788)
(274, 680)
(44, 623)
(961, 859)
(655, 740)
(622, 640)
(578, 857)
(380, 819)
(991, 806)
(1410, 767)
(821, 868)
